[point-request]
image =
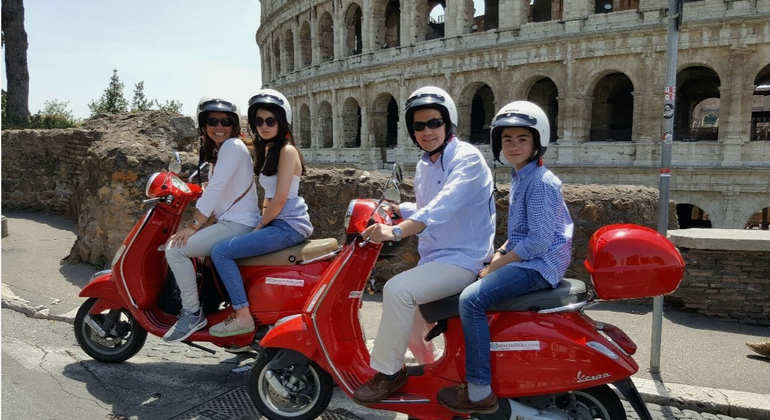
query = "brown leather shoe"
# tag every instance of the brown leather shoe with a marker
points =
(379, 387)
(456, 399)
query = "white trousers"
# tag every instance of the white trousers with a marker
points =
(198, 245)
(400, 297)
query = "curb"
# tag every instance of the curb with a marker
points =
(701, 399)
(15, 303)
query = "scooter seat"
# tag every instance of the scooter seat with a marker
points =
(296, 254)
(568, 291)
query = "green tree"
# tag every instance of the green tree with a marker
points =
(112, 100)
(171, 106)
(140, 102)
(55, 114)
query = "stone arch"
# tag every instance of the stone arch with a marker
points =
(545, 93)
(277, 56)
(326, 37)
(305, 45)
(477, 101)
(760, 110)
(288, 42)
(305, 127)
(430, 15)
(387, 17)
(325, 125)
(693, 85)
(487, 16)
(759, 220)
(351, 123)
(545, 10)
(353, 21)
(383, 120)
(612, 109)
(692, 216)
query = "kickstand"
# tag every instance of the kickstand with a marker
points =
(199, 347)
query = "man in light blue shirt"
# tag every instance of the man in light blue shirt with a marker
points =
(454, 219)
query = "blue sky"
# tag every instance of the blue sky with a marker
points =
(181, 50)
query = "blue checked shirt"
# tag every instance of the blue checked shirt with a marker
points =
(454, 202)
(539, 225)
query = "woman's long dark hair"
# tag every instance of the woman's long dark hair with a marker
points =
(209, 149)
(267, 162)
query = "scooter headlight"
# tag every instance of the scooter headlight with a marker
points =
(154, 185)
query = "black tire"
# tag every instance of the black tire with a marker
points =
(599, 402)
(126, 340)
(316, 387)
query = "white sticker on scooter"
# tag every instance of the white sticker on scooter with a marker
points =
(285, 282)
(514, 345)
(588, 378)
(355, 294)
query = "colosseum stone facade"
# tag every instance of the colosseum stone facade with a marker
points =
(597, 67)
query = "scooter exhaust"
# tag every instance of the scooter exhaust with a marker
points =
(514, 410)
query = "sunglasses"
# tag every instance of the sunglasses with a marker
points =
(432, 123)
(213, 122)
(270, 121)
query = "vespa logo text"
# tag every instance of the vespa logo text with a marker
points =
(584, 378)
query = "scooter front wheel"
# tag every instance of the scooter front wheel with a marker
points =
(111, 337)
(297, 390)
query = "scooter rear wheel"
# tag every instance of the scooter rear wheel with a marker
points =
(599, 402)
(123, 340)
(308, 395)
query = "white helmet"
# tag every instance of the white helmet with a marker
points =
(431, 97)
(271, 98)
(521, 114)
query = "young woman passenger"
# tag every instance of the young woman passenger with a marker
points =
(285, 221)
(535, 256)
(230, 198)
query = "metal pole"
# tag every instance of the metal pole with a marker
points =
(674, 21)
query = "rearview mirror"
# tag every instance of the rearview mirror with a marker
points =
(175, 164)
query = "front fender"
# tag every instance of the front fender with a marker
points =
(102, 287)
(293, 333)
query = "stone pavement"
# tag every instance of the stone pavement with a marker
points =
(706, 368)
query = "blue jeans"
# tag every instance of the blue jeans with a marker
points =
(275, 236)
(503, 283)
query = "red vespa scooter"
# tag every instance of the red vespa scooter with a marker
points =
(549, 359)
(125, 302)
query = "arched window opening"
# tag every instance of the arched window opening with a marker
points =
(697, 98)
(545, 94)
(607, 6)
(612, 110)
(436, 20)
(691, 216)
(304, 127)
(326, 125)
(326, 37)
(288, 42)
(353, 41)
(486, 15)
(392, 24)
(760, 106)
(351, 123)
(305, 46)
(482, 111)
(277, 56)
(384, 121)
(759, 220)
(545, 10)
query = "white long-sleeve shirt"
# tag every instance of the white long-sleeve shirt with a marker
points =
(229, 178)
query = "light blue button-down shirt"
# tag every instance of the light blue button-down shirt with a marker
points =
(454, 202)
(539, 225)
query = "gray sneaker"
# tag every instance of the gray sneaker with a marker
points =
(188, 323)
